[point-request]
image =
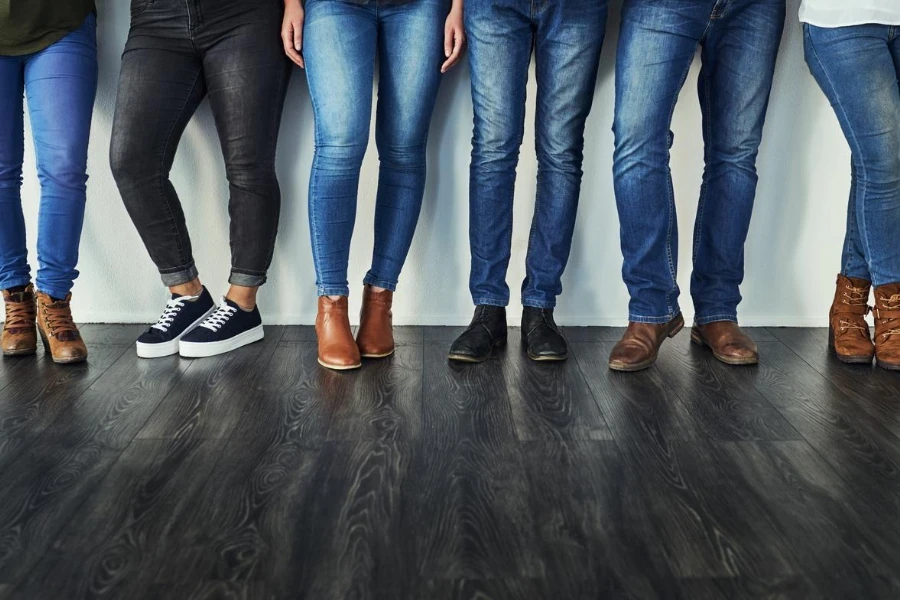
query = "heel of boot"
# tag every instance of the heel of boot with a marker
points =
(676, 329)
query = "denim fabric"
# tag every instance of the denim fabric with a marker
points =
(858, 68)
(340, 42)
(60, 82)
(739, 42)
(566, 37)
(179, 52)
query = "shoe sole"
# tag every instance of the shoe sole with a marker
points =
(539, 358)
(385, 355)
(465, 358)
(207, 349)
(887, 366)
(339, 367)
(625, 368)
(734, 362)
(27, 352)
(172, 346)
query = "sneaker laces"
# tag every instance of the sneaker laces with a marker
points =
(173, 307)
(216, 320)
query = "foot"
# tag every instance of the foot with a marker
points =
(639, 347)
(848, 332)
(375, 337)
(228, 328)
(728, 343)
(541, 337)
(887, 326)
(58, 331)
(19, 330)
(337, 348)
(486, 332)
(182, 315)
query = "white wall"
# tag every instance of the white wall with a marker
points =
(792, 254)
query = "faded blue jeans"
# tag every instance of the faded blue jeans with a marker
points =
(566, 37)
(60, 83)
(739, 41)
(341, 39)
(858, 68)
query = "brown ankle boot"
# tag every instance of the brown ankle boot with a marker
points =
(887, 326)
(639, 346)
(337, 348)
(848, 332)
(728, 343)
(19, 333)
(375, 337)
(58, 331)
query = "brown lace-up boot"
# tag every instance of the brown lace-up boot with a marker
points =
(58, 331)
(887, 326)
(337, 348)
(19, 333)
(848, 332)
(375, 337)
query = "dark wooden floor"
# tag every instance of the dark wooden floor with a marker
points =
(259, 475)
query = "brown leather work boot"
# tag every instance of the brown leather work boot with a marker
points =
(848, 332)
(58, 331)
(19, 332)
(337, 348)
(728, 343)
(375, 337)
(639, 347)
(887, 326)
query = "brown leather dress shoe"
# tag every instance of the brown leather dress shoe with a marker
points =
(848, 332)
(19, 332)
(639, 347)
(58, 331)
(728, 343)
(887, 326)
(337, 348)
(375, 337)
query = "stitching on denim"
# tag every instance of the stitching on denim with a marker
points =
(704, 187)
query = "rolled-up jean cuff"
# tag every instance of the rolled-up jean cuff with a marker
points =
(183, 275)
(488, 301)
(333, 290)
(53, 292)
(382, 283)
(651, 320)
(699, 320)
(533, 303)
(246, 279)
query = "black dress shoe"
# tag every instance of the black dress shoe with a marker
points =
(540, 335)
(486, 332)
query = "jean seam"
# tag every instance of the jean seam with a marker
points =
(704, 188)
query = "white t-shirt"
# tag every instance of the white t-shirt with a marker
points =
(843, 13)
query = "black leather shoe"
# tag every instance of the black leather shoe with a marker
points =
(540, 335)
(486, 332)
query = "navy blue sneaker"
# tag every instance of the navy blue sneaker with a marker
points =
(182, 315)
(227, 329)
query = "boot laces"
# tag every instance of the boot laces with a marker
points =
(892, 303)
(19, 314)
(58, 318)
(855, 296)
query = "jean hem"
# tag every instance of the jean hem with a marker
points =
(326, 290)
(534, 303)
(487, 301)
(180, 276)
(16, 283)
(246, 279)
(52, 292)
(651, 320)
(730, 317)
(382, 283)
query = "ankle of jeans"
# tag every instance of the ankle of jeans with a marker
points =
(179, 275)
(490, 301)
(333, 290)
(376, 281)
(536, 303)
(651, 320)
(245, 279)
(715, 318)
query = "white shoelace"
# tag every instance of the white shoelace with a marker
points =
(215, 321)
(173, 307)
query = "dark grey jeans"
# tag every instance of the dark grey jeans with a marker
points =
(178, 52)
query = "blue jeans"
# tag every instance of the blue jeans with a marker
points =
(739, 41)
(341, 39)
(566, 37)
(60, 82)
(858, 68)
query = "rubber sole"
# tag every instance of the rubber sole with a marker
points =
(696, 338)
(26, 352)
(466, 358)
(385, 355)
(887, 366)
(172, 346)
(339, 367)
(207, 349)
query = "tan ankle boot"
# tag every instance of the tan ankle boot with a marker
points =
(728, 343)
(58, 331)
(639, 347)
(337, 348)
(375, 337)
(848, 332)
(19, 333)
(887, 326)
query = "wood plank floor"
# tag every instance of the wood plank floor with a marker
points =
(259, 475)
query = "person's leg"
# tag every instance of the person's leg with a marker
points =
(738, 55)
(567, 54)
(60, 84)
(339, 46)
(246, 75)
(410, 52)
(657, 43)
(14, 269)
(500, 45)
